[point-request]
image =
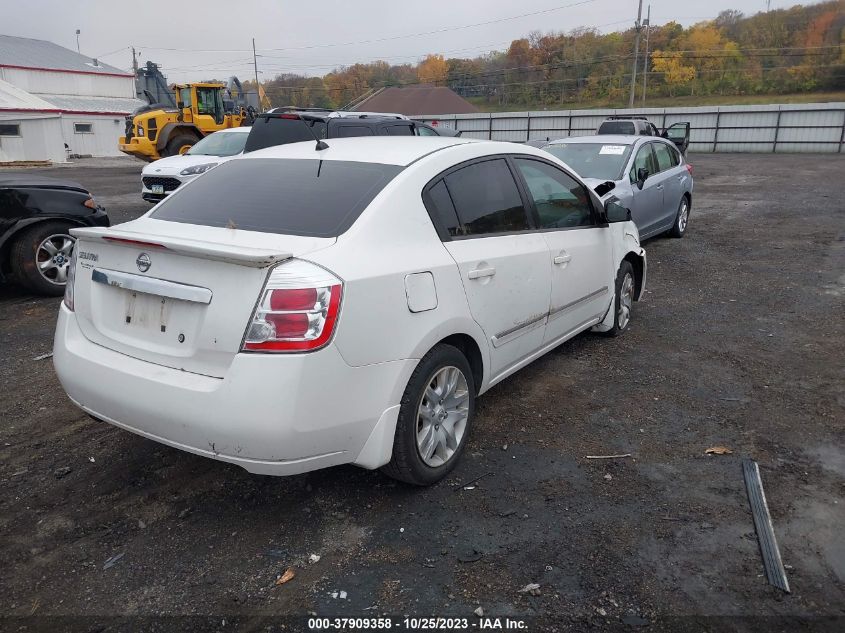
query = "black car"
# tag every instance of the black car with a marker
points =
(35, 215)
(292, 125)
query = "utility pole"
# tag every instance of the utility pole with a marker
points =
(647, 25)
(255, 64)
(639, 28)
(134, 62)
(77, 39)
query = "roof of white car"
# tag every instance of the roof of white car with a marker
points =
(605, 139)
(388, 150)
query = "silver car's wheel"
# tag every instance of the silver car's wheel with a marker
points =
(53, 257)
(442, 416)
(682, 219)
(626, 301)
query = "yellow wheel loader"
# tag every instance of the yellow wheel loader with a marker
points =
(156, 131)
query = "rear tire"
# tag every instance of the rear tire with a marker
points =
(179, 144)
(435, 418)
(681, 219)
(623, 300)
(40, 257)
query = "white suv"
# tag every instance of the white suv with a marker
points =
(300, 307)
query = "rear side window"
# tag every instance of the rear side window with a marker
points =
(486, 199)
(271, 131)
(617, 127)
(442, 210)
(399, 130)
(664, 158)
(288, 196)
(346, 131)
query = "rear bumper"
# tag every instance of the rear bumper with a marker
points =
(271, 414)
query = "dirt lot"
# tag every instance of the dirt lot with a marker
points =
(739, 342)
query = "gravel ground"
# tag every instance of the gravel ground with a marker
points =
(739, 342)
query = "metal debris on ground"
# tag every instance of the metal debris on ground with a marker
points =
(609, 456)
(113, 560)
(775, 572)
(286, 577)
(532, 588)
(314, 558)
(44, 356)
(718, 450)
(470, 482)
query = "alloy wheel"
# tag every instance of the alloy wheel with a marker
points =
(626, 301)
(53, 257)
(442, 416)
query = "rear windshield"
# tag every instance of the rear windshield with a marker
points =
(317, 198)
(617, 127)
(271, 131)
(593, 160)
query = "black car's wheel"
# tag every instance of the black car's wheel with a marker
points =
(682, 219)
(435, 417)
(40, 257)
(623, 301)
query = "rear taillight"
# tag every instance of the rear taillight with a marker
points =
(689, 168)
(71, 277)
(298, 309)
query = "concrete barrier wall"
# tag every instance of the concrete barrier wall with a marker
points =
(806, 127)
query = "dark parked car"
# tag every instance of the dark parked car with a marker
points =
(292, 125)
(35, 215)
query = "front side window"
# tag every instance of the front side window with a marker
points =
(486, 199)
(561, 201)
(644, 158)
(311, 197)
(664, 158)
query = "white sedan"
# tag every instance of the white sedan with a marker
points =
(299, 307)
(162, 177)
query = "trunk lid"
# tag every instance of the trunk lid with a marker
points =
(173, 294)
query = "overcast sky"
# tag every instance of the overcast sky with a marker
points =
(216, 39)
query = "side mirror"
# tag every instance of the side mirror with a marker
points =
(642, 176)
(615, 212)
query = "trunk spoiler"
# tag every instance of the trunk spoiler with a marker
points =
(230, 253)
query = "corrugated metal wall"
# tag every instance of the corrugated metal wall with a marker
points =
(810, 127)
(40, 138)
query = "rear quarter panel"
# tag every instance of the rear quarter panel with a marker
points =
(393, 238)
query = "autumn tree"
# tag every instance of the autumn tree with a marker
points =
(432, 69)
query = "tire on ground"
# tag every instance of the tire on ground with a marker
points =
(406, 463)
(24, 257)
(625, 268)
(177, 142)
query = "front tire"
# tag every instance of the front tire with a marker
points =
(681, 219)
(623, 302)
(40, 257)
(179, 144)
(435, 418)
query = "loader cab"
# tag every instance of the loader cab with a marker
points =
(198, 101)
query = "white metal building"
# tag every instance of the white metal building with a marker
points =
(55, 102)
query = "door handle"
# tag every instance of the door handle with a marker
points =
(563, 258)
(478, 273)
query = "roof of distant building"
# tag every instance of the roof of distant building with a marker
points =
(24, 52)
(417, 100)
